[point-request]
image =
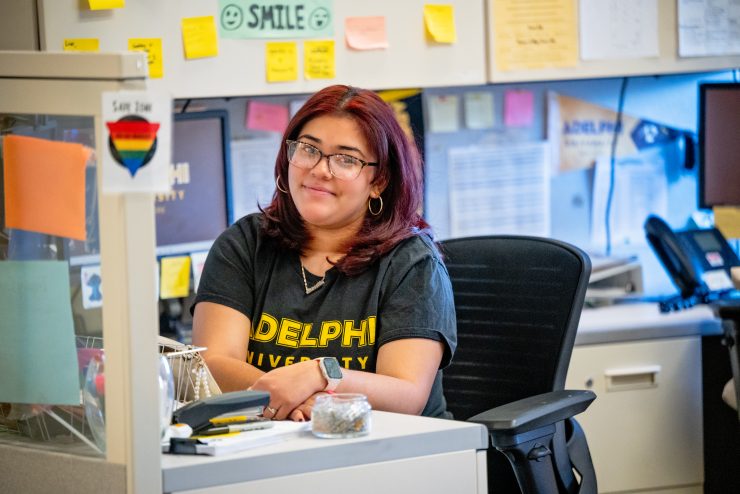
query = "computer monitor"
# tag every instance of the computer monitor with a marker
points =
(198, 208)
(719, 144)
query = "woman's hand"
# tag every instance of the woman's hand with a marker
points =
(290, 387)
(303, 411)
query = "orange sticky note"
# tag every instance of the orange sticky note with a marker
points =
(45, 186)
(366, 33)
(199, 37)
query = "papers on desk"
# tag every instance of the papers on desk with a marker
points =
(240, 441)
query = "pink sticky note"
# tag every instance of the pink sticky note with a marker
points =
(366, 33)
(266, 116)
(518, 108)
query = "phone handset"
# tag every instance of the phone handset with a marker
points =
(674, 256)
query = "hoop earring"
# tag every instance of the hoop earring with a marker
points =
(370, 206)
(277, 184)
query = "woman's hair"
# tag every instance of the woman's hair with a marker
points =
(399, 168)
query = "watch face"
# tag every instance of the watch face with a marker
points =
(332, 368)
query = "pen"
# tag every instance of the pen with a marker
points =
(227, 429)
(235, 419)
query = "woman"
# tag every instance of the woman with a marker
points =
(340, 268)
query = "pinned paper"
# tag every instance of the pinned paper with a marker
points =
(106, 4)
(92, 287)
(198, 260)
(266, 116)
(318, 59)
(45, 186)
(281, 58)
(38, 358)
(727, 220)
(478, 110)
(174, 281)
(153, 49)
(199, 37)
(82, 44)
(439, 21)
(366, 33)
(443, 113)
(518, 108)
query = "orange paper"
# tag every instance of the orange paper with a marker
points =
(366, 33)
(45, 186)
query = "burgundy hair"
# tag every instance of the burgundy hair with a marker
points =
(400, 167)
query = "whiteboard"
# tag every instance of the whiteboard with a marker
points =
(239, 68)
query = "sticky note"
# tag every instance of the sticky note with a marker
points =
(153, 49)
(366, 33)
(281, 58)
(45, 186)
(266, 116)
(518, 108)
(478, 110)
(38, 355)
(81, 44)
(174, 280)
(318, 61)
(199, 37)
(727, 220)
(443, 113)
(106, 4)
(439, 21)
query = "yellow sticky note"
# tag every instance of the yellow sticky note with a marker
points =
(199, 37)
(174, 277)
(81, 44)
(153, 49)
(318, 59)
(440, 23)
(281, 58)
(106, 4)
(727, 220)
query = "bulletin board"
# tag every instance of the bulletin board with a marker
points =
(628, 25)
(411, 60)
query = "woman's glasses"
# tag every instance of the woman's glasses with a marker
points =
(341, 166)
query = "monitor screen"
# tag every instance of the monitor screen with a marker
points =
(719, 144)
(198, 207)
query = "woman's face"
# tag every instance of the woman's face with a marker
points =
(323, 200)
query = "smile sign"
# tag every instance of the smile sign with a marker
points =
(276, 19)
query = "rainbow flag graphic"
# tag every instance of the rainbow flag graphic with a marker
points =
(132, 142)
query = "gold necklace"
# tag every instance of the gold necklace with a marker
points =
(318, 284)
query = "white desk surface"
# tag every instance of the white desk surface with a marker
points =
(640, 321)
(392, 437)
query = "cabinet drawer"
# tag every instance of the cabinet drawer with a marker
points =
(645, 427)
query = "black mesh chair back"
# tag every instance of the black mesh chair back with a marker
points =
(518, 302)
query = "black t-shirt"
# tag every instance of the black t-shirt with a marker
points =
(406, 294)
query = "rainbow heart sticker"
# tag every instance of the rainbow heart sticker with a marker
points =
(132, 142)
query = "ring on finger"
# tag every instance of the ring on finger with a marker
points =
(272, 411)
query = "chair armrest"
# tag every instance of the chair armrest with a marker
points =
(535, 411)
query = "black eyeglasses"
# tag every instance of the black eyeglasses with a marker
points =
(342, 166)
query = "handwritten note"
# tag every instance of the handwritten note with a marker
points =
(199, 37)
(439, 21)
(45, 186)
(518, 108)
(153, 49)
(544, 34)
(286, 19)
(366, 33)
(281, 58)
(266, 116)
(38, 358)
(443, 113)
(81, 44)
(106, 4)
(174, 278)
(318, 59)
(478, 110)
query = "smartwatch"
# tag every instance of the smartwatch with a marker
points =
(332, 372)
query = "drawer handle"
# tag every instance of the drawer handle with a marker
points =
(632, 378)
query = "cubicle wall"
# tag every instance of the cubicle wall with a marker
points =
(410, 60)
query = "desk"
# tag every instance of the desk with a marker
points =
(646, 429)
(402, 454)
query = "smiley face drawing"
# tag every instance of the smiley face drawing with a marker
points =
(232, 17)
(319, 18)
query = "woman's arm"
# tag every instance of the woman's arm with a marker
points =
(225, 334)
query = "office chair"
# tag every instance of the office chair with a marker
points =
(518, 301)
